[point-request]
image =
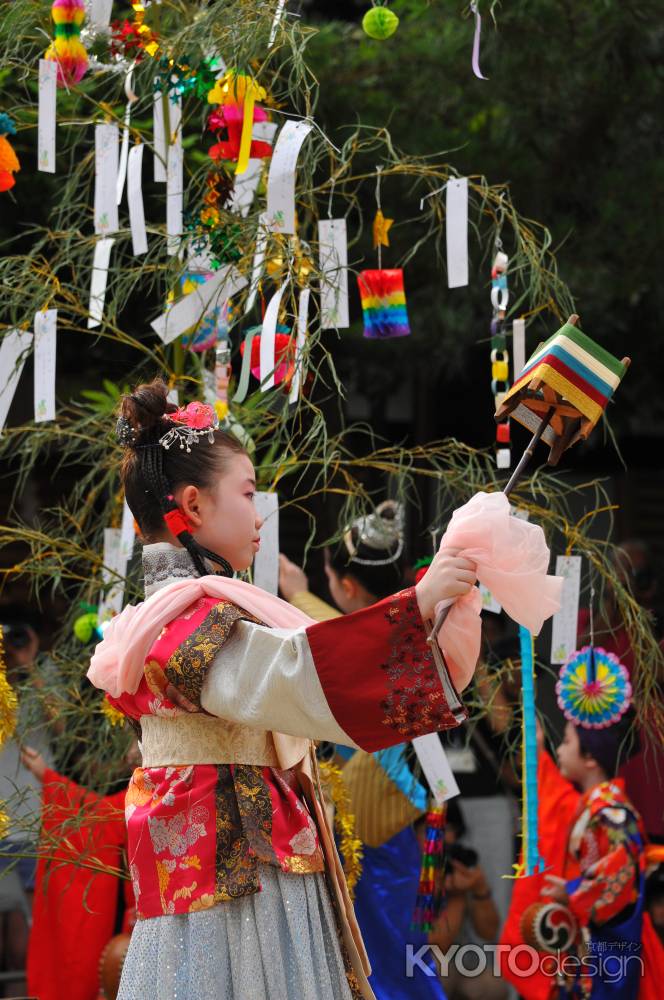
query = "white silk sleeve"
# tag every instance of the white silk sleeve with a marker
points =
(266, 678)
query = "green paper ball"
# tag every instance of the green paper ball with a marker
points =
(380, 22)
(84, 627)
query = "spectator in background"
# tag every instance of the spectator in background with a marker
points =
(21, 792)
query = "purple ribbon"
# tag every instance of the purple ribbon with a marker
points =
(476, 43)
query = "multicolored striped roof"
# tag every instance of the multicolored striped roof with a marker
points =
(580, 371)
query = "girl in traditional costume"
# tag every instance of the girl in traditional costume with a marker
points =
(593, 838)
(239, 890)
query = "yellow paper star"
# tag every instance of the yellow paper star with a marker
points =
(381, 227)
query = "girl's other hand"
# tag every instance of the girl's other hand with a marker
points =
(34, 762)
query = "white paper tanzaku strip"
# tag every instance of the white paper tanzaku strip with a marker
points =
(188, 310)
(456, 231)
(244, 187)
(268, 339)
(160, 157)
(266, 562)
(127, 533)
(113, 573)
(175, 179)
(98, 282)
(566, 621)
(139, 239)
(47, 114)
(518, 347)
(281, 178)
(302, 320)
(99, 12)
(436, 767)
(45, 353)
(13, 350)
(106, 179)
(333, 262)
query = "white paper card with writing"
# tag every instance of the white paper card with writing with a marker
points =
(99, 280)
(518, 347)
(456, 231)
(489, 602)
(333, 262)
(300, 340)
(269, 339)
(99, 12)
(48, 71)
(188, 310)
(13, 350)
(160, 154)
(281, 178)
(436, 767)
(566, 621)
(113, 574)
(45, 351)
(175, 179)
(266, 561)
(106, 179)
(139, 236)
(127, 533)
(245, 185)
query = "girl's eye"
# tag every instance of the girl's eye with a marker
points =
(250, 495)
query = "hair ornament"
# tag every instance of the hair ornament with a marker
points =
(191, 423)
(380, 531)
(125, 432)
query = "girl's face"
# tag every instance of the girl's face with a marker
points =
(223, 518)
(571, 762)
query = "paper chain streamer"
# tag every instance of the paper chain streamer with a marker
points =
(499, 354)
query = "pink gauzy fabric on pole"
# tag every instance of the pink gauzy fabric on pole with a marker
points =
(118, 660)
(512, 559)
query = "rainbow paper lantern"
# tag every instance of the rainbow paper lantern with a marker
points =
(66, 48)
(593, 695)
(383, 304)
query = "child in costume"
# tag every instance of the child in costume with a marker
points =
(597, 835)
(239, 891)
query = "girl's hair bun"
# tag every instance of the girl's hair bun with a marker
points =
(145, 408)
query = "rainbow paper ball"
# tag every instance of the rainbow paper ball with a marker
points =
(85, 626)
(380, 23)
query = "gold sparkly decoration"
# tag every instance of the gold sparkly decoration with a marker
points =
(113, 715)
(4, 820)
(8, 699)
(381, 227)
(350, 846)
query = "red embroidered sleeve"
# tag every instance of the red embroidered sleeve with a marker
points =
(379, 676)
(610, 872)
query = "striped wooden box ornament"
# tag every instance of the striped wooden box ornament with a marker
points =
(564, 388)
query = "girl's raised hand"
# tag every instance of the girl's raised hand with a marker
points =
(449, 576)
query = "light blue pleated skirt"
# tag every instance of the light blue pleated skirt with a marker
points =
(278, 944)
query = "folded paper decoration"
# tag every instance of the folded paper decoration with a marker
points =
(569, 380)
(383, 304)
(593, 688)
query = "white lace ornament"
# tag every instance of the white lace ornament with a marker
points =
(187, 435)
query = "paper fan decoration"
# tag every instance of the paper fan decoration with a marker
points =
(593, 688)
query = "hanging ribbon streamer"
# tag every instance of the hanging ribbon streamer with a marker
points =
(281, 177)
(245, 371)
(100, 263)
(476, 43)
(124, 150)
(302, 320)
(268, 339)
(13, 350)
(531, 860)
(139, 238)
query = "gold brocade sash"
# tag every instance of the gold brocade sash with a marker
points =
(204, 739)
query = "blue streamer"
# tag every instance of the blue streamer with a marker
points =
(532, 859)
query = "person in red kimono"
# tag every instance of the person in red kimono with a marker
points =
(593, 840)
(239, 890)
(81, 891)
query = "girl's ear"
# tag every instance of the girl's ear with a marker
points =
(189, 502)
(349, 587)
